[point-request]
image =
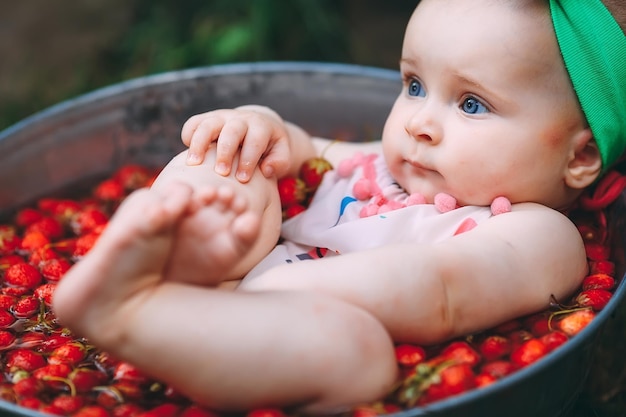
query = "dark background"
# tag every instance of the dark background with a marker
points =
(51, 51)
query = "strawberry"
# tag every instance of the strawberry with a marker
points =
(553, 339)
(92, 411)
(484, 379)
(528, 352)
(293, 210)
(7, 339)
(461, 352)
(539, 324)
(196, 411)
(312, 171)
(52, 341)
(45, 292)
(23, 359)
(109, 190)
(22, 275)
(602, 267)
(6, 319)
(597, 251)
(33, 403)
(48, 226)
(132, 177)
(409, 355)
(26, 307)
(498, 368)
(127, 410)
(70, 353)
(452, 380)
(64, 210)
(34, 240)
(84, 244)
(575, 321)
(291, 191)
(124, 371)
(27, 216)
(42, 254)
(68, 404)
(494, 347)
(265, 412)
(9, 260)
(54, 269)
(9, 240)
(7, 301)
(599, 280)
(85, 379)
(54, 376)
(163, 410)
(88, 220)
(28, 387)
(594, 298)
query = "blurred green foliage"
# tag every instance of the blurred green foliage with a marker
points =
(165, 35)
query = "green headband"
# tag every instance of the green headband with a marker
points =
(594, 50)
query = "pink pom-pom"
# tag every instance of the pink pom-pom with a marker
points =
(362, 189)
(415, 198)
(444, 202)
(500, 205)
(369, 210)
(346, 167)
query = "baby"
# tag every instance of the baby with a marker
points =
(487, 110)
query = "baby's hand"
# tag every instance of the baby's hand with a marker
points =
(257, 133)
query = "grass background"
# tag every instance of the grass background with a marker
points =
(52, 51)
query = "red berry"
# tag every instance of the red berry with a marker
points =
(597, 251)
(453, 380)
(528, 352)
(494, 347)
(26, 307)
(28, 387)
(461, 352)
(409, 355)
(163, 410)
(6, 319)
(498, 368)
(48, 226)
(7, 339)
(291, 191)
(45, 292)
(9, 260)
(92, 411)
(9, 240)
(85, 379)
(27, 216)
(484, 379)
(88, 220)
(594, 298)
(70, 353)
(34, 240)
(24, 359)
(601, 267)
(68, 404)
(109, 190)
(196, 411)
(312, 171)
(133, 177)
(553, 339)
(22, 275)
(84, 244)
(600, 281)
(54, 269)
(574, 322)
(127, 410)
(124, 371)
(293, 210)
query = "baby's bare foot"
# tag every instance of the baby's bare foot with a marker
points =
(129, 256)
(210, 243)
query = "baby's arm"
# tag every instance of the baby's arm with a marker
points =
(504, 268)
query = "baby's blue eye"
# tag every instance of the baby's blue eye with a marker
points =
(473, 106)
(415, 89)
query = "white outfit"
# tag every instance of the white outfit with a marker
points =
(333, 224)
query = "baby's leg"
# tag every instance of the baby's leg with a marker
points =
(129, 256)
(224, 240)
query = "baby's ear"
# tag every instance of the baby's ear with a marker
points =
(585, 164)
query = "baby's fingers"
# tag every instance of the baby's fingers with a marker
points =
(199, 138)
(276, 162)
(230, 139)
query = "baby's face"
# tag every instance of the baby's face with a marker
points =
(487, 108)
